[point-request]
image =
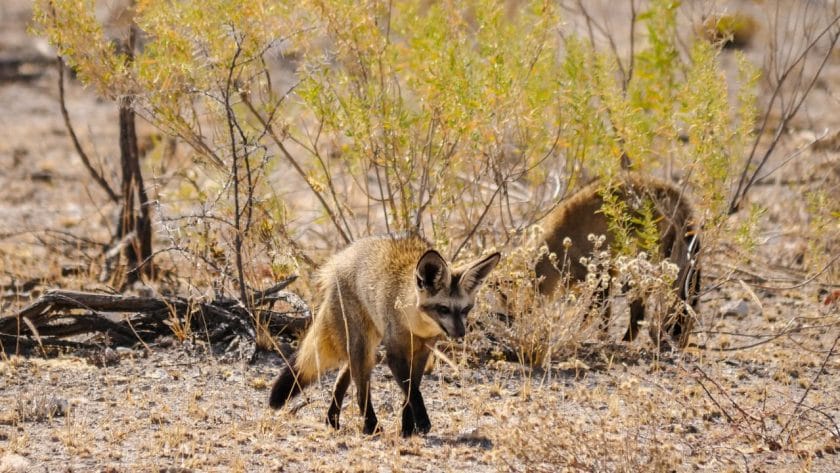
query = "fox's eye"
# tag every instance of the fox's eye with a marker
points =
(441, 309)
(466, 310)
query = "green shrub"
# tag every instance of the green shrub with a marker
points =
(465, 122)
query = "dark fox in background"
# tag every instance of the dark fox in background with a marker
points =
(581, 214)
(393, 290)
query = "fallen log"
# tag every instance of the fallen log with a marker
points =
(60, 314)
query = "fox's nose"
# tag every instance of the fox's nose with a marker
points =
(460, 331)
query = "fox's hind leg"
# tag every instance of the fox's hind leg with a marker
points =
(683, 320)
(318, 353)
(362, 361)
(342, 382)
(637, 314)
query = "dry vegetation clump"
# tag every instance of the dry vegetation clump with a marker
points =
(524, 325)
(674, 416)
(539, 330)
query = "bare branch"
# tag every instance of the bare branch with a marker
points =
(76, 144)
(784, 72)
(298, 168)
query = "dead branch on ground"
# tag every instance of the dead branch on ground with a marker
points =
(126, 320)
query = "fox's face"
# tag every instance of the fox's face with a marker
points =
(446, 295)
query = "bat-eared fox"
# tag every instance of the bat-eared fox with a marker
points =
(393, 290)
(580, 215)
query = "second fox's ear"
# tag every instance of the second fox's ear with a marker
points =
(478, 271)
(432, 272)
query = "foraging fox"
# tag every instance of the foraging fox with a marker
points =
(580, 215)
(396, 290)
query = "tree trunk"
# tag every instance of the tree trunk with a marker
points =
(134, 225)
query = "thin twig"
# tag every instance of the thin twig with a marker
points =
(747, 179)
(811, 385)
(744, 413)
(298, 168)
(237, 212)
(478, 223)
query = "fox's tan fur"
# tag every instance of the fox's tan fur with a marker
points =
(393, 290)
(580, 215)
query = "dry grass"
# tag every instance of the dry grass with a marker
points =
(612, 408)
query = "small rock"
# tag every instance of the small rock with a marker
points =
(103, 358)
(738, 308)
(111, 357)
(235, 379)
(156, 374)
(573, 364)
(476, 438)
(832, 297)
(11, 463)
(41, 408)
(41, 176)
(56, 407)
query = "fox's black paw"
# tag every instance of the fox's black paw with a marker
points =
(424, 425)
(332, 417)
(372, 427)
(408, 429)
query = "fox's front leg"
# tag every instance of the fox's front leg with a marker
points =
(408, 373)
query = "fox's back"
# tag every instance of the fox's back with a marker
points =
(376, 273)
(580, 215)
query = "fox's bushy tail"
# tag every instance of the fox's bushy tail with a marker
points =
(314, 356)
(288, 384)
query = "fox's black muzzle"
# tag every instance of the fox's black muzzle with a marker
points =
(459, 329)
(453, 328)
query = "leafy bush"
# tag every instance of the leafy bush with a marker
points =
(465, 123)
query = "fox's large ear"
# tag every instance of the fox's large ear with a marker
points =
(478, 271)
(432, 272)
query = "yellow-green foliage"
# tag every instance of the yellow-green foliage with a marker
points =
(72, 27)
(667, 97)
(652, 90)
(192, 64)
(447, 86)
(437, 99)
(823, 245)
(745, 233)
(619, 217)
(436, 116)
(713, 133)
(424, 94)
(587, 80)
